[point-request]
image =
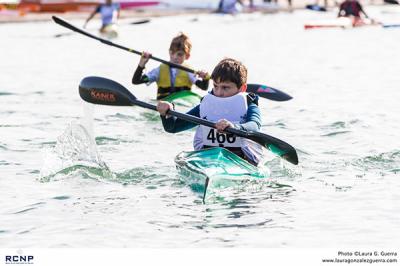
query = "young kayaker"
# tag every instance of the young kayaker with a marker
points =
(109, 12)
(170, 80)
(228, 105)
(352, 9)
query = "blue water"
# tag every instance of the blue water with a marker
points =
(59, 189)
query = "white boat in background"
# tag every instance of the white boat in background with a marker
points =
(192, 4)
(258, 5)
(342, 22)
(77, 5)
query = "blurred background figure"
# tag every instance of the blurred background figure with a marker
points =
(351, 8)
(110, 13)
(230, 6)
(317, 7)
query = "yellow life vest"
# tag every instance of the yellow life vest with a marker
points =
(165, 86)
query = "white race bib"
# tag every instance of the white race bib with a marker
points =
(211, 137)
(214, 108)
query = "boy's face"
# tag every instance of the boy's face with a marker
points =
(178, 57)
(225, 89)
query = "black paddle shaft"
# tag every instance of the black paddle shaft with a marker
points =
(261, 90)
(104, 91)
(265, 140)
(73, 28)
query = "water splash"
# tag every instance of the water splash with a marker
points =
(75, 150)
(386, 162)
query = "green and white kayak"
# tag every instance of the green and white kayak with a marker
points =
(184, 98)
(216, 168)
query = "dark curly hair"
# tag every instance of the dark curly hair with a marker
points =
(229, 69)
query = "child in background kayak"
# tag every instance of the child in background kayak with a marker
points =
(170, 80)
(228, 105)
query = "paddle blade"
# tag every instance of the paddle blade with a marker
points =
(316, 8)
(391, 25)
(63, 34)
(143, 21)
(98, 90)
(393, 2)
(276, 146)
(268, 92)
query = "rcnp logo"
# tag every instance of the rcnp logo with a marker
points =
(19, 259)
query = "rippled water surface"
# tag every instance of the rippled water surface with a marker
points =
(60, 187)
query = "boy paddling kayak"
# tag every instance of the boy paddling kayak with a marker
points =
(229, 106)
(170, 80)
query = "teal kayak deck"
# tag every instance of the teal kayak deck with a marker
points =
(216, 168)
(184, 98)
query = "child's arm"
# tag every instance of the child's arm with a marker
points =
(172, 124)
(253, 119)
(138, 77)
(97, 10)
(340, 13)
(118, 11)
(362, 9)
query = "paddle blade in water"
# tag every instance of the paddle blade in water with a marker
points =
(276, 146)
(289, 155)
(98, 90)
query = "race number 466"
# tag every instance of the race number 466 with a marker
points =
(216, 137)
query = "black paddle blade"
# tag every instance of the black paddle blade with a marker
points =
(316, 8)
(393, 2)
(268, 92)
(276, 146)
(143, 21)
(63, 34)
(98, 90)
